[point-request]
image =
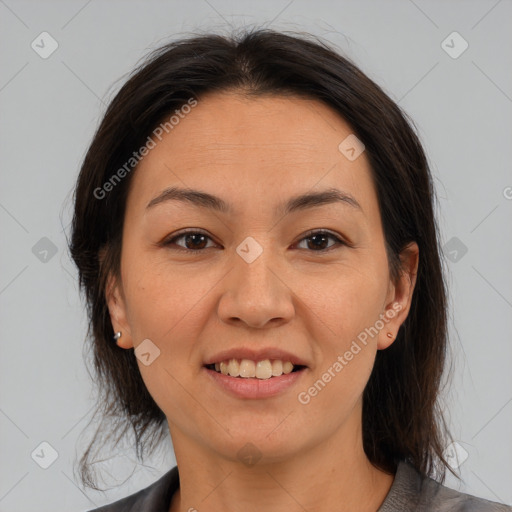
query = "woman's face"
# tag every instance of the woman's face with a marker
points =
(258, 280)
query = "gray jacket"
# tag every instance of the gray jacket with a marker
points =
(407, 494)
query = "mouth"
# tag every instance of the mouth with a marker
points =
(249, 369)
(248, 379)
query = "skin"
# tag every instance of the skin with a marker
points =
(254, 154)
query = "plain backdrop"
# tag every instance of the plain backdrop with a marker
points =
(456, 87)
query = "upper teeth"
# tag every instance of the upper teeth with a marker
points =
(260, 369)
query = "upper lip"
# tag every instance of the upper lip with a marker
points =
(255, 355)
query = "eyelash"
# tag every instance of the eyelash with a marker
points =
(170, 241)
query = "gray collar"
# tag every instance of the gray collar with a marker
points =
(409, 493)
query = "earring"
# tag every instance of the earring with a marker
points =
(390, 335)
(117, 335)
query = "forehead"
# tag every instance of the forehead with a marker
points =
(255, 149)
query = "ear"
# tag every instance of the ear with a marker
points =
(399, 298)
(117, 308)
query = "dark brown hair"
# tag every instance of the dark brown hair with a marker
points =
(401, 416)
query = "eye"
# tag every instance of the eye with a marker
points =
(319, 239)
(194, 241)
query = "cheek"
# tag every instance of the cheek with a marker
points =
(161, 299)
(335, 394)
(166, 311)
(166, 305)
(345, 303)
(346, 309)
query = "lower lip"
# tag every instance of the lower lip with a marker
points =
(252, 387)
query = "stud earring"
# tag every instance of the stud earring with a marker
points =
(390, 335)
(117, 335)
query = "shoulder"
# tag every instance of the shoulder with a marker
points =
(154, 498)
(412, 492)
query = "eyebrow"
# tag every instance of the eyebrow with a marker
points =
(294, 204)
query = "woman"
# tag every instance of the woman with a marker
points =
(255, 235)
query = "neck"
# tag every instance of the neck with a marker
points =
(332, 475)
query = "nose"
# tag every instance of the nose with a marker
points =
(256, 293)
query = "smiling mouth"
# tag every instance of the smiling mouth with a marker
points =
(247, 369)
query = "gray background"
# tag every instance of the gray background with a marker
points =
(50, 108)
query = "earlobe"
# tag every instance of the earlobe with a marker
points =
(116, 306)
(400, 296)
(388, 333)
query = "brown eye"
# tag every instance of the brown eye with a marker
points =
(317, 241)
(196, 241)
(193, 241)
